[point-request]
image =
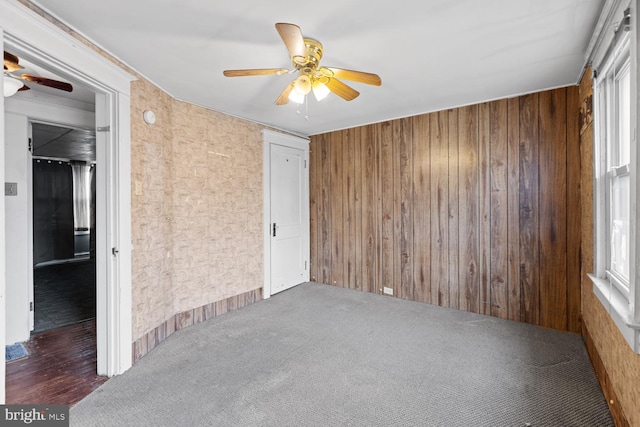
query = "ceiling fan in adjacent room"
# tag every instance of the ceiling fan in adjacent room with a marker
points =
(14, 82)
(305, 56)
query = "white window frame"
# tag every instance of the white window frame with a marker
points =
(618, 297)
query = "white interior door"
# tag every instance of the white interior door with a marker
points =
(29, 252)
(286, 211)
(288, 262)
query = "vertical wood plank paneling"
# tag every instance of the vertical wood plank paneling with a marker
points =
(337, 211)
(378, 211)
(484, 200)
(402, 137)
(476, 208)
(358, 214)
(369, 204)
(574, 224)
(469, 212)
(513, 209)
(348, 190)
(499, 208)
(398, 237)
(454, 250)
(529, 210)
(439, 206)
(422, 208)
(553, 208)
(325, 210)
(385, 133)
(314, 203)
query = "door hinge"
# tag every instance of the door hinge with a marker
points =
(114, 251)
(625, 25)
(30, 146)
(103, 128)
(31, 306)
(305, 265)
(305, 164)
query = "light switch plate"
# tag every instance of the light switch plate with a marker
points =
(10, 188)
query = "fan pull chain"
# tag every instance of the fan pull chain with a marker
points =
(306, 107)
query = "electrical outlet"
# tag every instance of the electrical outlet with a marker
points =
(387, 291)
(138, 189)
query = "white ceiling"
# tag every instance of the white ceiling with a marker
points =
(431, 54)
(57, 141)
(80, 98)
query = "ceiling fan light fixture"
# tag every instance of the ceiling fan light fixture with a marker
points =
(320, 91)
(296, 97)
(302, 85)
(11, 86)
(305, 54)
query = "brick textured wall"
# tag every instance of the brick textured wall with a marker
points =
(622, 366)
(196, 207)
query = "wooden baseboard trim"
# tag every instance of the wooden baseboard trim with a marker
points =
(151, 339)
(617, 413)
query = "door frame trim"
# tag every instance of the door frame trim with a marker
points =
(35, 37)
(270, 138)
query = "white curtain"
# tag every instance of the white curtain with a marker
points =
(81, 195)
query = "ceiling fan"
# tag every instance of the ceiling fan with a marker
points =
(14, 83)
(305, 56)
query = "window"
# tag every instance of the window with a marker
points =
(616, 219)
(614, 96)
(81, 173)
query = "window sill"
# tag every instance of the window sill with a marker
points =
(617, 305)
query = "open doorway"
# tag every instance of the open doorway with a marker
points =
(63, 342)
(34, 38)
(51, 156)
(64, 194)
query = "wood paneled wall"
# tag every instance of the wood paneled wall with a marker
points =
(475, 208)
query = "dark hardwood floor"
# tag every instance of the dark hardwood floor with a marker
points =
(60, 369)
(64, 293)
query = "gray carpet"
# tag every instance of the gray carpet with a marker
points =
(318, 355)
